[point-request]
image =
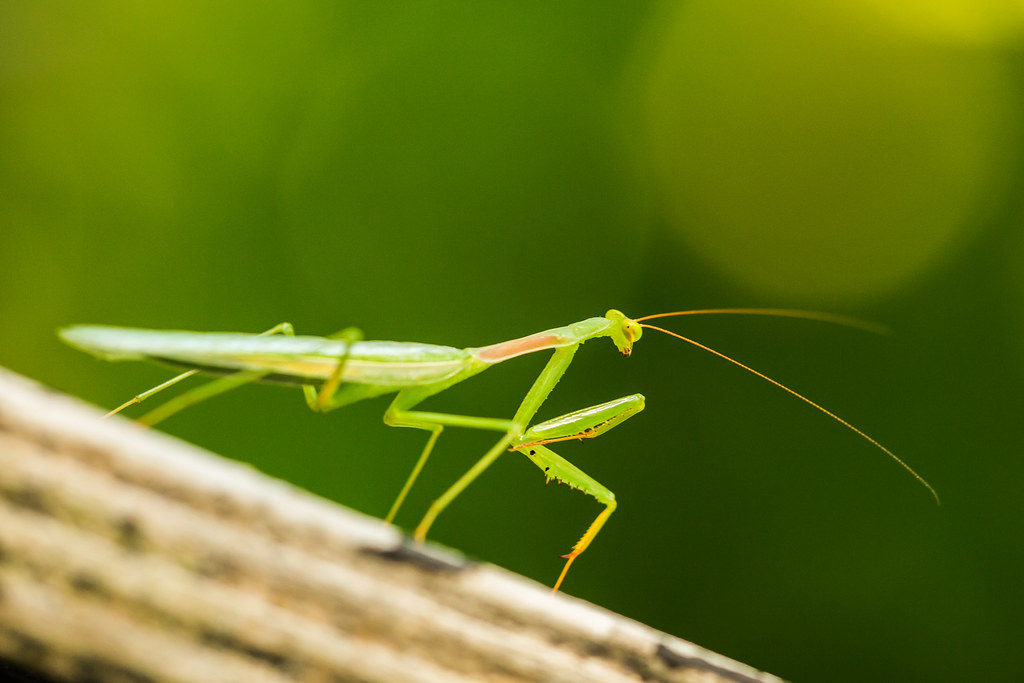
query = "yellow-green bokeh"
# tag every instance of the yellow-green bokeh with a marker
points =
(818, 152)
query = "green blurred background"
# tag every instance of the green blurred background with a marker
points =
(466, 173)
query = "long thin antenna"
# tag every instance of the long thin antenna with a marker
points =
(765, 377)
(848, 321)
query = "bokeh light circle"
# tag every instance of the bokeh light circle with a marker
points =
(804, 152)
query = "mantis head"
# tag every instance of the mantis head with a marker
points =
(624, 331)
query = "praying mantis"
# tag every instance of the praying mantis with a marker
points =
(344, 368)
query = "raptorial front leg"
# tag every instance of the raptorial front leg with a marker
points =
(558, 468)
(580, 424)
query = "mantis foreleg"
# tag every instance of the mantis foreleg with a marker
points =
(580, 424)
(558, 468)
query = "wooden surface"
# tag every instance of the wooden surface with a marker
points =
(126, 555)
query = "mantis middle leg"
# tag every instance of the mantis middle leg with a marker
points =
(401, 414)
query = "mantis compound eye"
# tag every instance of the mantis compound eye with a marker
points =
(633, 330)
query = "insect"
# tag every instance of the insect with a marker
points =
(342, 369)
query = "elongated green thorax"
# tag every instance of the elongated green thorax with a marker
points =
(622, 330)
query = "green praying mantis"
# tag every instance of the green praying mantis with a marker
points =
(344, 368)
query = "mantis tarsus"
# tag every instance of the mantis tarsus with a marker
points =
(342, 369)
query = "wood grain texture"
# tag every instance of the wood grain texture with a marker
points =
(126, 555)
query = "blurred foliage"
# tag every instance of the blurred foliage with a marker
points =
(462, 173)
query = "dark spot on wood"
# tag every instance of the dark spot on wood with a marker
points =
(228, 642)
(13, 672)
(95, 669)
(675, 660)
(85, 582)
(26, 649)
(29, 498)
(129, 535)
(431, 558)
(594, 648)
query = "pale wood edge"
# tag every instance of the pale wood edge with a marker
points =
(128, 555)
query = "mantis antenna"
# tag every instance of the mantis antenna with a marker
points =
(789, 313)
